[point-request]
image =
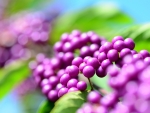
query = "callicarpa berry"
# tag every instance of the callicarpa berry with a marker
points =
(88, 71)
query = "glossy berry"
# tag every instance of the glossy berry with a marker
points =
(77, 61)
(119, 45)
(64, 79)
(129, 43)
(100, 72)
(116, 38)
(72, 83)
(73, 89)
(125, 52)
(113, 55)
(144, 53)
(53, 95)
(102, 56)
(82, 65)
(88, 71)
(46, 89)
(73, 71)
(107, 46)
(94, 97)
(93, 62)
(106, 63)
(62, 91)
(81, 85)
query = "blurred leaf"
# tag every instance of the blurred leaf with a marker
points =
(70, 102)
(12, 75)
(140, 34)
(15, 6)
(101, 82)
(105, 20)
(46, 107)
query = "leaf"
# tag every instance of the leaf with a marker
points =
(46, 107)
(101, 82)
(140, 34)
(12, 75)
(70, 102)
(105, 20)
(15, 6)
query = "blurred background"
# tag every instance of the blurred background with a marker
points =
(29, 27)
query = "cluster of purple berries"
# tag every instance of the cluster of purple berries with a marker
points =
(17, 33)
(58, 75)
(130, 89)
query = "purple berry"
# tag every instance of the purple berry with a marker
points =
(119, 45)
(93, 62)
(82, 65)
(62, 91)
(46, 89)
(73, 71)
(113, 55)
(64, 79)
(116, 38)
(73, 89)
(96, 53)
(81, 85)
(144, 53)
(94, 47)
(77, 61)
(86, 59)
(53, 80)
(88, 71)
(94, 97)
(58, 46)
(72, 83)
(107, 46)
(129, 43)
(59, 86)
(85, 51)
(53, 95)
(100, 72)
(147, 60)
(125, 52)
(105, 63)
(102, 56)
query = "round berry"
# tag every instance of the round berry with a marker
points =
(100, 72)
(93, 62)
(73, 89)
(94, 97)
(82, 65)
(102, 56)
(73, 71)
(116, 38)
(53, 80)
(119, 45)
(64, 79)
(107, 46)
(125, 52)
(105, 63)
(77, 61)
(53, 95)
(81, 85)
(46, 89)
(113, 55)
(129, 43)
(88, 71)
(62, 91)
(144, 53)
(72, 83)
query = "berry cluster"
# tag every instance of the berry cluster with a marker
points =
(18, 34)
(126, 68)
(130, 89)
(56, 76)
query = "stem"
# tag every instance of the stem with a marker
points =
(91, 84)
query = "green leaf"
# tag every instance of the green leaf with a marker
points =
(16, 6)
(105, 20)
(46, 107)
(140, 34)
(12, 75)
(101, 82)
(70, 102)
